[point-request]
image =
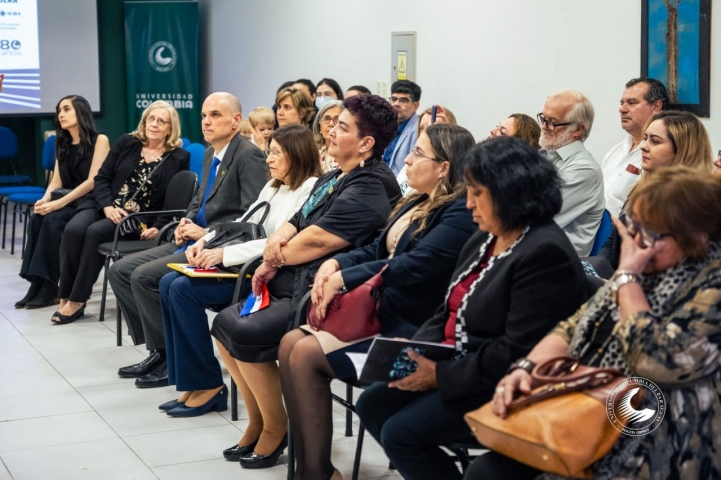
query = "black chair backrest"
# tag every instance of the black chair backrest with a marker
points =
(181, 191)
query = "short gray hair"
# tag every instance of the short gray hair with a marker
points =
(581, 113)
(316, 123)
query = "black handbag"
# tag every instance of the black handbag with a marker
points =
(228, 234)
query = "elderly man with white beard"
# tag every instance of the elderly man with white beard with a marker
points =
(566, 122)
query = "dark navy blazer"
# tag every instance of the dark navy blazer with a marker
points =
(418, 275)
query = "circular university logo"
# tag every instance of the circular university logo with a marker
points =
(628, 413)
(162, 56)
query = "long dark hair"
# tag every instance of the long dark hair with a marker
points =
(86, 127)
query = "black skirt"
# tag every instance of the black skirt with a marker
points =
(255, 338)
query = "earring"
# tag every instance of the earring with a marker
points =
(362, 163)
(441, 176)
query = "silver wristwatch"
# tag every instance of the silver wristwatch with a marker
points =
(621, 278)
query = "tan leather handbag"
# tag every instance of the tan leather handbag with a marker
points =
(562, 426)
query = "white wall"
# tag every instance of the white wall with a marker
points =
(483, 59)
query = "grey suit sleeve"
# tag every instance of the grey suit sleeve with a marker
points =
(252, 176)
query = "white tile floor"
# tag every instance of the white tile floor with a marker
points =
(65, 414)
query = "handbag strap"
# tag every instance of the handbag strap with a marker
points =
(147, 177)
(566, 369)
(255, 209)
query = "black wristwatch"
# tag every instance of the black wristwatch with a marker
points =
(523, 363)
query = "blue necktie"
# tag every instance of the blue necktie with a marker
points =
(200, 217)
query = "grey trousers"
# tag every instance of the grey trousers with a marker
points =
(136, 283)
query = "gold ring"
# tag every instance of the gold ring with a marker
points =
(500, 389)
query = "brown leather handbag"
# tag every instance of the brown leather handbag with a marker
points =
(562, 426)
(354, 314)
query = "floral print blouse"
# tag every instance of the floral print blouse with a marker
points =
(141, 202)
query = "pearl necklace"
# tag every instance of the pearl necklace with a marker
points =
(151, 154)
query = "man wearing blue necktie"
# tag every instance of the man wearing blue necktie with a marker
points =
(234, 172)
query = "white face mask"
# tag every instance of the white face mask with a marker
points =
(321, 101)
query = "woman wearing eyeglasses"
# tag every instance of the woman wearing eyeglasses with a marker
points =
(658, 318)
(670, 138)
(326, 119)
(420, 246)
(133, 178)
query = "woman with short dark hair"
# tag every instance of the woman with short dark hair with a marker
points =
(515, 279)
(345, 210)
(657, 318)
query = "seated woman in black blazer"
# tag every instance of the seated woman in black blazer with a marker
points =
(515, 279)
(130, 161)
(420, 246)
(346, 209)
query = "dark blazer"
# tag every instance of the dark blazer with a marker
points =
(120, 162)
(417, 276)
(241, 176)
(521, 298)
(355, 210)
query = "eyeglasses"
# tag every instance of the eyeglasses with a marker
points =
(416, 155)
(648, 236)
(275, 152)
(551, 125)
(161, 122)
(403, 100)
(327, 119)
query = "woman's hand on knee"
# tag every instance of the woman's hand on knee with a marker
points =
(114, 213)
(149, 233)
(518, 381)
(264, 274)
(209, 258)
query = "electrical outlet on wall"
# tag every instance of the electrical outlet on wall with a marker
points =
(385, 90)
(379, 88)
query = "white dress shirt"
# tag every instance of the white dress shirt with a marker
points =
(582, 191)
(617, 178)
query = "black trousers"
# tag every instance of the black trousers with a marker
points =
(41, 259)
(496, 466)
(80, 262)
(410, 426)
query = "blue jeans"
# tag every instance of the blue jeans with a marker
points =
(189, 349)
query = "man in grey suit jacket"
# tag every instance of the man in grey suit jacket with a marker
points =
(238, 172)
(405, 98)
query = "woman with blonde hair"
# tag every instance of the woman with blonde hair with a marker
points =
(671, 138)
(133, 178)
(293, 107)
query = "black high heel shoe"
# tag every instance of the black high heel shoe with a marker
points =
(235, 452)
(32, 292)
(254, 460)
(64, 319)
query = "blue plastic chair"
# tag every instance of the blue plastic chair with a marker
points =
(197, 151)
(604, 230)
(9, 149)
(186, 142)
(48, 160)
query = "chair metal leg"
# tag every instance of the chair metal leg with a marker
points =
(348, 413)
(291, 454)
(104, 296)
(12, 240)
(119, 326)
(4, 206)
(358, 451)
(25, 230)
(233, 401)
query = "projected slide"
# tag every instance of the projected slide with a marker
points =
(19, 56)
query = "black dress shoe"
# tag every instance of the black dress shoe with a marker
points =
(32, 291)
(48, 295)
(236, 451)
(156, 378)
(254, 460)
(152, 362)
